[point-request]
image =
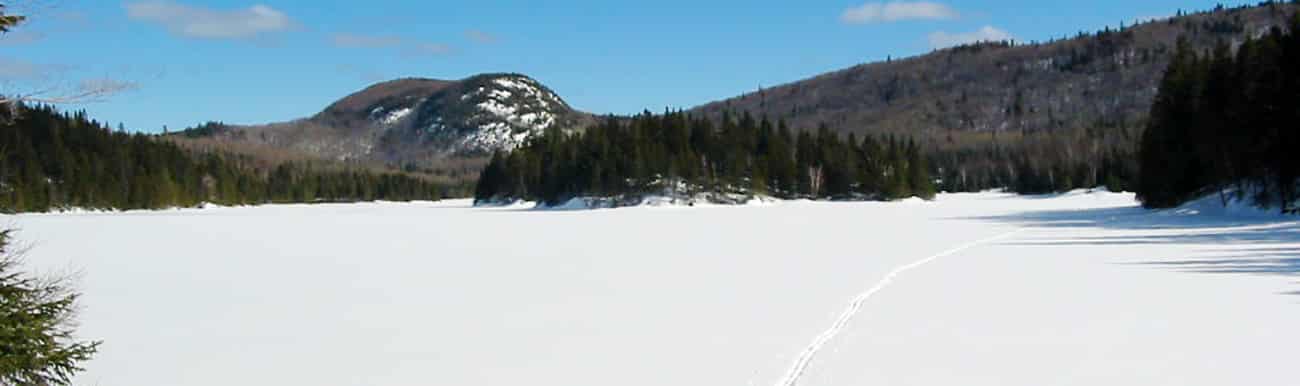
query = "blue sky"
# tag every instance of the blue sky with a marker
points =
(257, 61)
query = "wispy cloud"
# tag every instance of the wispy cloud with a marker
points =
(480, 37)
(941, 39)
(19, 70)
(106, 86)
(207, 23)
(403, 46)
(21, 37)
(347, 40)
(53, 83)
(428, 49)
(45, 22)
(897, 11)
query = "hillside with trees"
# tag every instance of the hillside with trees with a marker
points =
(1097, 79)
(682, 156)
(51, 160)
(1227, 122)
(1032, 117)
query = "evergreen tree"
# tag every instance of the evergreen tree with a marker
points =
(52, 160)
(664, 154)
(919, 174)
(37, 345)
(1226, 121)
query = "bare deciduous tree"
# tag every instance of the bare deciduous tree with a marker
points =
(86, 91)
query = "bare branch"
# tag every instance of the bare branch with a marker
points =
(89, 91)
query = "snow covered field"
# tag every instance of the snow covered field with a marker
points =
(973, 289)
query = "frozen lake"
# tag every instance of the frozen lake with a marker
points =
(973, 289)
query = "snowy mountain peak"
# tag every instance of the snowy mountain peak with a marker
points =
(494, 112)
(414, 120)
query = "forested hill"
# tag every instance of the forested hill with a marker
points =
(1032, 118)
(51, 160)
(1103, 79)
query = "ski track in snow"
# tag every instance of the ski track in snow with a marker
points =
(805, 358)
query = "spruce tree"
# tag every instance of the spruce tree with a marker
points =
(37, 327)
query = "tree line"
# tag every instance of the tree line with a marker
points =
(1040, 162)
(1226, 122)
(50, 160)
(683, 155)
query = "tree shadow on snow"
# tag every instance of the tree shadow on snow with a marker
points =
(1248, 245)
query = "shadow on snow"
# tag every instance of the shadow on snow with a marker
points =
(1275, 239)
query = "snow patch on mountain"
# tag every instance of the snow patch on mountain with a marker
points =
(389, 116)
(510, 110)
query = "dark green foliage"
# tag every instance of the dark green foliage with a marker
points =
(37, 346)
(207, 129)
(1039, 162)
(51, 160)
(677, 154)
(1225, 121)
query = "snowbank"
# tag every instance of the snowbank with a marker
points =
(662, 201)
(1235, 207)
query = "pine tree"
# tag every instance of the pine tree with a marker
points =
(37, 327)
(649, 154)
(1225, 121)
(50, 160)
(919, 174)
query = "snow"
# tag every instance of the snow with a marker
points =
(512, 83)
(654, 201)
(1081, 289)
(512, 110)
(497, 108)
(396, 115)
(1214, 205)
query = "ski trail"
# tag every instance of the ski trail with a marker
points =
(806, 357)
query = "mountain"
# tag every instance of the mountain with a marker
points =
(1035, 118)
(1106, 79)
(416, 121)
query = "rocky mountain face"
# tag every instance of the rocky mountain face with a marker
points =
(417, 121)
(1089, 80)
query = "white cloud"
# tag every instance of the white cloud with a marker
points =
(943, 39)
(207, 23)
(897, 11)
(480, 37)
(347, 40)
